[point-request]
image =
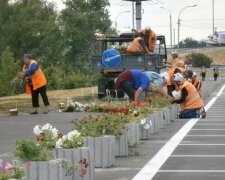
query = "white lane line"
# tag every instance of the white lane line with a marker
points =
(207, 129)
(152, 167)
(192, 171)
(201, 144)
(200, 135)
(199, 155)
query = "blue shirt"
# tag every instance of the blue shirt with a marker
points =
(140, 79)
(153, 77)
(30, 71)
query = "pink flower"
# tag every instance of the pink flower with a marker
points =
(8, 167)
(27, 165)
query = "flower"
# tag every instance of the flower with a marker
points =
(46, 127)
(59, 143)
(55, 132)
(72, 140)
(37, 130)
(8, 167)
(143, 121)
(146, 126)
(73, 134)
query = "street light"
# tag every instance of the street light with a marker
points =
(118, 16)
(170, 27)
(179, 22)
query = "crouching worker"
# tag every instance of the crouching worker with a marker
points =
(133, 83)
(191, 104)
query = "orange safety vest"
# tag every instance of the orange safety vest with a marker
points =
(193, 100)
(171, 74)
(135, 46)
(198, 85)
(38, 78)
(178, 63)
(149, 39)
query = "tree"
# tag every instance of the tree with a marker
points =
(200, 59)
(80, 20)
(8, 69)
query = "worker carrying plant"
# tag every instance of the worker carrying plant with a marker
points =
(149, 37)
(191, 104)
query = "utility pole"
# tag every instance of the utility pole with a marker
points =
(213, 16)
(138, 7)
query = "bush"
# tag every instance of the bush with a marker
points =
(200, 59)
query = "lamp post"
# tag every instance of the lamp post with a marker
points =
(118, 16)
(213, 16)
(171, 37)
(178, 38)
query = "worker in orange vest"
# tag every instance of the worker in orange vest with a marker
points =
(168, 79)
(149, 37)
(36, 82)
(197, 83)
(138, 45)
(191, 104)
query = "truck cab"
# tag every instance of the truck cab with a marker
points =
(144, 62)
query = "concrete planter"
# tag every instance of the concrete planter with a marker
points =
(133, 133)
(157, 122)
(174, 111)
(121, 145)
(103, 150)
(166, 115)
(74, 156)
(43, 170)
(145, 133)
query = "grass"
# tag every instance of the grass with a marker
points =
(23, 101)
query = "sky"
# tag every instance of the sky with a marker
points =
(195, 22)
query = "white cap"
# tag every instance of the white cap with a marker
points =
(165, 76)
(147, 27)
(194, 74)
(176, 94)
(178, 77)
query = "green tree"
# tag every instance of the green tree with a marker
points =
(80, 20)
(200, 59)
(8, 69)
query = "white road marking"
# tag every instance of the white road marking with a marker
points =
(152, 167)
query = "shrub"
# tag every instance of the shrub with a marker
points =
(200, 59)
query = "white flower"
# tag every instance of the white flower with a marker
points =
(37, 130)
(46, 127)
(146, 126)
(143, 121)
(59, 143)
(73, 134)
(55, 132)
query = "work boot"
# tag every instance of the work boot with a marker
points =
(202, 112)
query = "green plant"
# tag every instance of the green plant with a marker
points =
(8, 171)
(200, 59)
(28, 150)
(73, 139)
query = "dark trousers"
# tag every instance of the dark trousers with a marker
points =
(128, 89)
(203, 76)
(35, 96)
(215, 77)
(189, 113)
(170, 89)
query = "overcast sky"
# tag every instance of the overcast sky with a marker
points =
(196, 22)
